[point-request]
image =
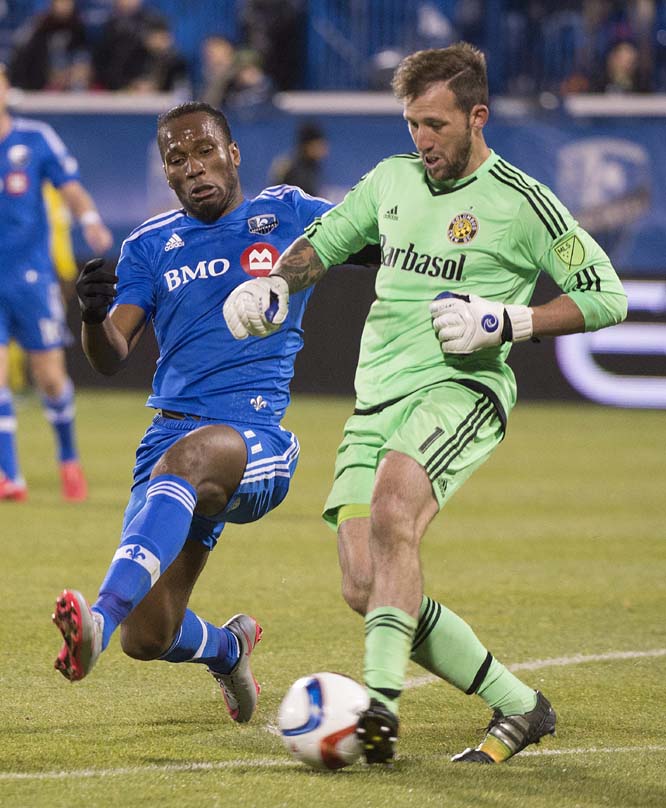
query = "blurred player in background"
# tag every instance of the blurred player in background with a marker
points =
(432, 384)
(215, 452)
(31, 308)
(304, 166)
(64, 263)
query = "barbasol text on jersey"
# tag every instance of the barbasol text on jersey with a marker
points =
(407, 259)
(203, 270)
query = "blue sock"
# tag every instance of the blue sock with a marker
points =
(8, 455)
(148, 546)
(60, 414)
(200, 641)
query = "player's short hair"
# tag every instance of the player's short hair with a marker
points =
(191, 107)
(461, 66)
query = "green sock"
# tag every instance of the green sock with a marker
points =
(388, 639)
(503, 691)
(447, 646)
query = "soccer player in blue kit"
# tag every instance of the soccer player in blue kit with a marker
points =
(215, 452)
(31, 309)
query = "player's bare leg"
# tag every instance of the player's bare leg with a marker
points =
(402, 506)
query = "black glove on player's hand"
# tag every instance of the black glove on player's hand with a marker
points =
(96, 290)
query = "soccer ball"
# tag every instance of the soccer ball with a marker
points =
(317, 720)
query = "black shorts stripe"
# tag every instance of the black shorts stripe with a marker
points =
(548, 204)
(464, 435)
(453, 440)
(427, 623)
(453, 444)
(481, 389)
(466, 438)
(480, 675)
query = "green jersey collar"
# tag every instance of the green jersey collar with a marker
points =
(450, 186)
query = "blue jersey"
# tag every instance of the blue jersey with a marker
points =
(180, 271)
(30, 154)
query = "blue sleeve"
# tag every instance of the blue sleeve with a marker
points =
(135, 279)
(59, 165)
(308, 208)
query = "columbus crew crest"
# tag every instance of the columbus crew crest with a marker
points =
(462, 228)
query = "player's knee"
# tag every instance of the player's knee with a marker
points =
(356, 593)
(145, 644)
(391, 521)
(50, 386)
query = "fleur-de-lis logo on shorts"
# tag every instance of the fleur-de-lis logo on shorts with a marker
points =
(258, 403)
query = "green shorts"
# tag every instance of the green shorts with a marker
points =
(449, 429)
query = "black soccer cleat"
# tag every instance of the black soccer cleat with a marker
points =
(509, 734)
(377, 730)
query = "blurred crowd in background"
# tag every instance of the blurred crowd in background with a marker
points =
(235, 53)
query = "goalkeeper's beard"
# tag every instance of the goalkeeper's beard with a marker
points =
(454, 168)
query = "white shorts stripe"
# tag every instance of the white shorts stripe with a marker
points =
(268, 470)
(293, 451)
(266, 476)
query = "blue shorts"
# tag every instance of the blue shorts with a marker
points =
(272, 458)
(31, 311)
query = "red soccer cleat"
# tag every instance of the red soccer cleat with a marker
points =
(81, 629)
(74, 485)
(13, 490)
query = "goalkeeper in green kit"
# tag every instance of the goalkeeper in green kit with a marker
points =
(463, 237)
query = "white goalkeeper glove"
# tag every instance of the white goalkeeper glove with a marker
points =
(258, 307)
(468, 323)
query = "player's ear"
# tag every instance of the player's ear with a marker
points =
(478, 117)
(234, 151)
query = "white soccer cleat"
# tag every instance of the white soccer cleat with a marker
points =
(81, 629)
(239, 687)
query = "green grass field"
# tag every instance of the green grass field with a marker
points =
(555, 552)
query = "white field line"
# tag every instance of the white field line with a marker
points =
(266, 763)
(593, 750)
(247, 763)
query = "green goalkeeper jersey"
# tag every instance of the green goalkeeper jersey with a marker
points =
(490, 234)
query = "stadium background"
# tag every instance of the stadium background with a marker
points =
(602, 154)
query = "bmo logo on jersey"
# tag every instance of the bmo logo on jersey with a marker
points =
(204, 269)
(258, 259)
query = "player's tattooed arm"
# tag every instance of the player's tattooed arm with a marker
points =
(300, 265)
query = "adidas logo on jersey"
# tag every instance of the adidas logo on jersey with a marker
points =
(392, 214)
(174, 242)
